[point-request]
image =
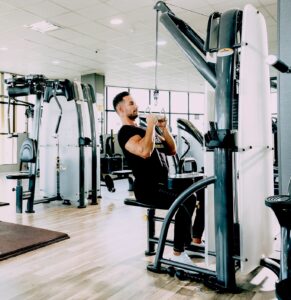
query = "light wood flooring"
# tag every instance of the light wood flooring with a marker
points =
(103, 259)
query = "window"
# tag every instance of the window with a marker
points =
(175, 104)
(163, 101)
(111, 93)
(179, 102)
(198, 121)
(173, 123)
(141, 97)
(196, 103)
(113, 122)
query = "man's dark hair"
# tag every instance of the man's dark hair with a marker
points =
(118, 98)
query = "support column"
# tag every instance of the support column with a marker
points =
(98, 83)
(284, 95)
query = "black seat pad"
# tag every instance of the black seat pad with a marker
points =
(279, 202)
(133, 202)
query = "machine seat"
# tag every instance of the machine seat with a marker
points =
(279, 202)
(281, 205)
(133, 202)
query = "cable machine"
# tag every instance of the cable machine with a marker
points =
(237, 40)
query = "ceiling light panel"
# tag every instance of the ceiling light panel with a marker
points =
(147, 64)
(42, 26)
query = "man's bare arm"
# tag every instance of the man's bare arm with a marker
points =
(143, 147)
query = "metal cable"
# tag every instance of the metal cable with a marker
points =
(192, 11)
(156, 92)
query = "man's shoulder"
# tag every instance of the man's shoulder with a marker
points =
(130, 128)
(128, 131)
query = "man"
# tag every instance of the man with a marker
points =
(146, 153)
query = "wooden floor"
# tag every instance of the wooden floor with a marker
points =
(103, 259)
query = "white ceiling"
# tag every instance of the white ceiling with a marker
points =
(88, 43)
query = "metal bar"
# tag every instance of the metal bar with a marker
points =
(172, 210)
(195, 58)
(188, 267)
(35, 137)
(94, 146)
(285, 240)
(160, 219)
(81, 158)
(15, 104)
(190, 33)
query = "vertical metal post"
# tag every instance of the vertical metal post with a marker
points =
(151, 229)
(93, 145)
(19, 195)
(223, 188)
(81, 158)
(35, 137)
(285, 243)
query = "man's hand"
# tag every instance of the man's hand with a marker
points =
(162, 122)
(152, 120)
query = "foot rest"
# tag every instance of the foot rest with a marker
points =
(122, 172)
(133, 202)
(19, 176)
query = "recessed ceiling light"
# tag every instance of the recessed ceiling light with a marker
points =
(56, 62)
(147, 64)
(162, 42)
(42, 26)
(3, 48)
(116, 21)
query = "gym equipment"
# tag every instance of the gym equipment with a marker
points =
(24, 86)
(175, 182)
(77, 146)
(196, 145)
(70, 144)
(49, 145)
(15, 102)
(275, 135)
(89, 95)
(27, 155)
(113, 165)
(281, 205)
(238, 136)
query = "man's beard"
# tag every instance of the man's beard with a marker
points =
(133, 116)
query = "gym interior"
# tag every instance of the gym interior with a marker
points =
(218, 72)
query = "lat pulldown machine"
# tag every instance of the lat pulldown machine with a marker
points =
(239, 187)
